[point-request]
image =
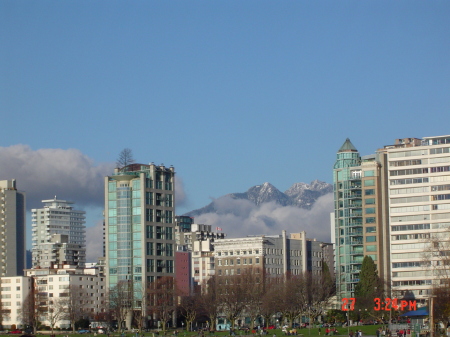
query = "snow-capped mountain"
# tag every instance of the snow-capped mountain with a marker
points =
(300, 194)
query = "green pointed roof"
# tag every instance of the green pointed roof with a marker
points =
(348, 147)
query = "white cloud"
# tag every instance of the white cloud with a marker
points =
(94, 242)
(180, 195)
(239, 218)
(44, 173)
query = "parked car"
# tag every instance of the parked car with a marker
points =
(84, 331)
(16, 331)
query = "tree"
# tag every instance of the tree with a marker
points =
(34, 307)
(161, 300)
(76, 304)
(319, 290)
(56, 310)
(189, 308)
(269, 299)
(120, 301)
(125, 158)
(210, 300)
(233, 296)
(441, 303)
(369, 288)
(437, 259)
(254, 283)
(139, 305)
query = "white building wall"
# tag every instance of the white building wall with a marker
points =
(14, 290)
(57, 282)
(419, 205)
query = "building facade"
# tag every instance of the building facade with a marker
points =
(359, 221)
(82, 289)
(393, 206)
(58, 225)
(418, 179)
(269, 255)
(14, 290)
(12, 229)
(139, 225)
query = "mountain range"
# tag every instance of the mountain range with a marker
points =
(301, 195)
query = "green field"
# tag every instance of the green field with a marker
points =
(367, 330)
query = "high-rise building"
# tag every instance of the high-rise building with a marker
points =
(393, 206)
(358, 216)
(58, 226)
(418, 180)
(12, 229)
(139, 223)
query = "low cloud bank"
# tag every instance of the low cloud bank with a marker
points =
(239, 218)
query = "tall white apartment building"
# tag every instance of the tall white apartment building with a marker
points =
(12, 229)
(418, 182)
(55, 224)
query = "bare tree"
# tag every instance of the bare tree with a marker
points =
(76, 304)
(269, 300)
(125, 158)
(121, 301)
(56, 310)
(139, 306)
(34, 307)
(161, 300)
(437, 259)
(210, 300)
(253, 282)
(291, 297)
(233, 296)
(189, 308)
(319, 290)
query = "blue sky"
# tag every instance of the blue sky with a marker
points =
(232, 93)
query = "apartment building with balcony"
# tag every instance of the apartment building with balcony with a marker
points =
(58, 234)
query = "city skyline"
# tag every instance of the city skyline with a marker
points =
(255, 91)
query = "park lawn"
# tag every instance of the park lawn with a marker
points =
(367, 330)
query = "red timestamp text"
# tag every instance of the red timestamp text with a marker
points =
(389, 304)
(386, 304)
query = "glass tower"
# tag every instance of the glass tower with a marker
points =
(139, 223)
(348, 218)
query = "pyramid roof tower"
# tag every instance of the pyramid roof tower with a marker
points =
(348, 147)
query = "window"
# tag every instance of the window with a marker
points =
(370, 201)
(369, 182)
(371, 238)
(371, 229)
(369, 192)
(369, 173)
(370, 210)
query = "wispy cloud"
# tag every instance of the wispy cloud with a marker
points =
(239, 218)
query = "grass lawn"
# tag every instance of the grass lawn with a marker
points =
(367, 330)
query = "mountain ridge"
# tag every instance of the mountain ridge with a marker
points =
(301, 195)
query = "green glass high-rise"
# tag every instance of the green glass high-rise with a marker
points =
(358, 219)
(348, 218)
(139, 223)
